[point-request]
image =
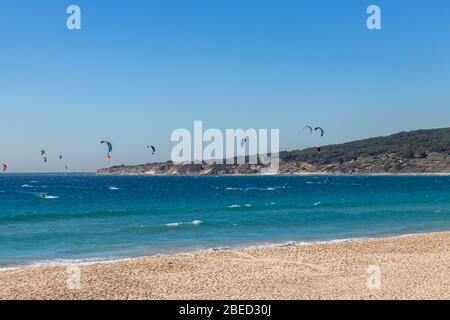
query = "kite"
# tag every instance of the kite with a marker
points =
(308, 127)
(43, 155)
(321, 131)
(108, 156)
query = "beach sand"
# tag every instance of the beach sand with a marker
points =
(412, 267)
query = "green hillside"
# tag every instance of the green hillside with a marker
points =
(406, 145)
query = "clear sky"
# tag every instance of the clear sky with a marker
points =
(137, 70)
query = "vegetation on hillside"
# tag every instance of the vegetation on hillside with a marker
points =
(406, 145)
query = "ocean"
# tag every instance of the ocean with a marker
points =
(60, 218)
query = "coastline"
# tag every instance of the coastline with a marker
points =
(114, 259)
(412, 266)
(303, 174)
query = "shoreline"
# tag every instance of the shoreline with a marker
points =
(57, 262)
(413, 267)
(303, 174)
(419, 174)
(60, 262)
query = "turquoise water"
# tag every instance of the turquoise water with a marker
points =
(88, 217)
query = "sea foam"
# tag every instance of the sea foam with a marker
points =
(177, 224)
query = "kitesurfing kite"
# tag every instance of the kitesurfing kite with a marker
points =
(308, 127)
(43, 155)
(153, 149)
(321, 131)
(318, 148)
(5, 167)
(108, 156)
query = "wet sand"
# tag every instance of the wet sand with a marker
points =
(412, 267)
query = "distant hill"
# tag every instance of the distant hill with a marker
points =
(419, 151)
(406, 145)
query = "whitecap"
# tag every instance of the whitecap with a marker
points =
(113, 188)
(174, 224)
(234, 206)
(30, 186)
(50, 197)
(177, 224)
(260, 188)
(317, 204)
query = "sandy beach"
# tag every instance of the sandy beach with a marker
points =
(412, 267)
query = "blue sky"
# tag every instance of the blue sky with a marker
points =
(140, 69)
